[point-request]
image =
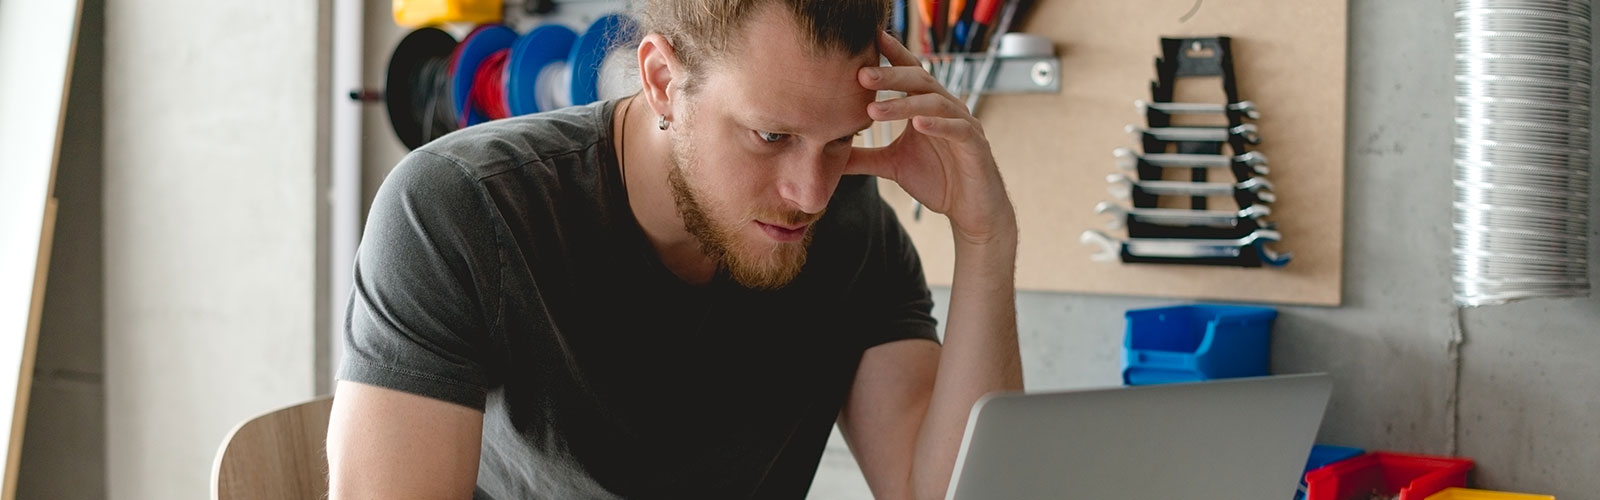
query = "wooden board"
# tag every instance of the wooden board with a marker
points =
(1055, 149)
(37, 41)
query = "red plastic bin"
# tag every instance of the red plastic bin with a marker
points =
(1414, 477)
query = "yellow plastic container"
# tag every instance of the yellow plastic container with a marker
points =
(414, 13)
(1466, 494)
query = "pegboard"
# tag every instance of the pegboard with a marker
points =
(1055, 150)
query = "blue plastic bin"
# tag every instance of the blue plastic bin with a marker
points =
(1196, 343)
(1321, 455)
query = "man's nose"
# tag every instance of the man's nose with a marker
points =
(808, 182)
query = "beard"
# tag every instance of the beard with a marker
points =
(767, 265)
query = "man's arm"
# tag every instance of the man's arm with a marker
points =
(407, 413)
(384, 443)
(942, 160)
(909, 404)
(980, 356)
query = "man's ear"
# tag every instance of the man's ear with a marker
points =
(658, 68)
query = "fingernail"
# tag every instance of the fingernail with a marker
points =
(872, 74)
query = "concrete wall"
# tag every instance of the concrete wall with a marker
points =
(210, 158)
(380, 149)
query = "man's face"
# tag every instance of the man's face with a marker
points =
(759, 147)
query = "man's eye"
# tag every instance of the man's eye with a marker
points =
(771, 137)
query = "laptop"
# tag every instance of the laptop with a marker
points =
(1236, 439)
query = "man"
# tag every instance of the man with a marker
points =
(677, 294)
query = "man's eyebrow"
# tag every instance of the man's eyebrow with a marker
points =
(862, 128)
(767, 125)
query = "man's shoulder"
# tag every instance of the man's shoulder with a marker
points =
(457, 179)
(499, 146)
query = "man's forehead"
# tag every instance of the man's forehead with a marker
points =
(777, 77)
(817, 91)
(799, 107)
(826, 73)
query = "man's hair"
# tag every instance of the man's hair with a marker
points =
(704, 31)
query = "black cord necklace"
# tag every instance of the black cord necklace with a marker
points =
(622, 144)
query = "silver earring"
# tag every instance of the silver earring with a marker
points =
(662, 123)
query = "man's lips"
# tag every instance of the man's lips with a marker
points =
(784, 232)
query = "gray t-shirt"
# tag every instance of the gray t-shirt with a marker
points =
(502, 269)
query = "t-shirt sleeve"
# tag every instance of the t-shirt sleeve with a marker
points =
(899, 305)
(424, 298)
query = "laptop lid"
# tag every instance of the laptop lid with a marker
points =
(1237, 439)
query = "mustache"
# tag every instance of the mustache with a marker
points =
(789, 217)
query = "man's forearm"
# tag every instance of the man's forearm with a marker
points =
(980, 353)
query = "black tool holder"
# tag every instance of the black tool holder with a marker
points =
(1164, 238)
(1243, 227)
(1179, 60)
(1142, 198)
(1185, 57)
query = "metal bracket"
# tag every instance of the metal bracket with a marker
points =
(1012, 75)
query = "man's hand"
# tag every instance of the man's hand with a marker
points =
(943, 159)
(904, 430)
